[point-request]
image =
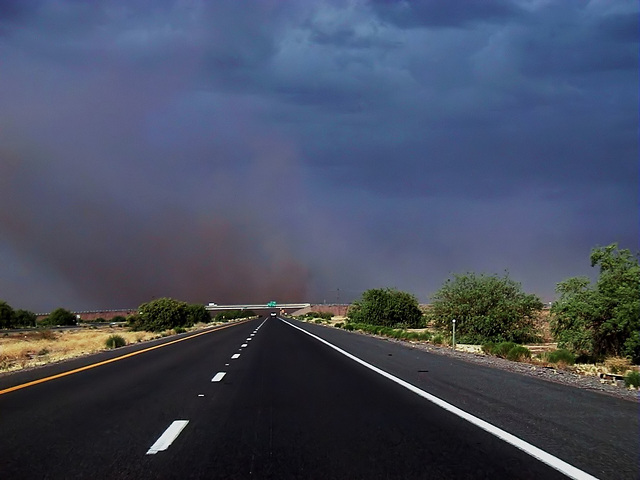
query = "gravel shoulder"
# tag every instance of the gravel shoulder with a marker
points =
(565, 377)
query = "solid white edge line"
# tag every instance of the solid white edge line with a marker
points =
(167, 438)
(535, 452)
(218, 376)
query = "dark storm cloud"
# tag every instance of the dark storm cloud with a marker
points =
(235, 151)
(442, 13)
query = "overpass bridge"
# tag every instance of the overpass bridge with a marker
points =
(266, 306)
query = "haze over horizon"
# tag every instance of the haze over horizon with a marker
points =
(278, 150)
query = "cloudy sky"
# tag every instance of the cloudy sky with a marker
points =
(244, 151)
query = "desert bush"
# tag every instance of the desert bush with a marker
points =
(502, 349)
(437, 340)
(386, 307)
(560, 355)
(115, 341)
(632, 379)
(59, 316)
(179, 330)
(24, 318)
(487, 308)
(162, 314)
(118, 319)
(10, 318)
(196, 313)
(509, 350)
(488, 348)
(602, 319)
(518, 353)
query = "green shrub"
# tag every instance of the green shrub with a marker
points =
(349, 327)
(60, 316)
(603, 319)
(339, 325)
(118, 319)
(502, 349)
(162, 314)
(560, 356)
(437, 339)
(489, 348)
(196, 313)
(518, 353)
(115, 341)
(487, 308)
(632, 379)
(318, 320)
(386, 307)
(179, 330)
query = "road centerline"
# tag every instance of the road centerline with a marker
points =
(112, 360)
(218, 376)
(168, 437)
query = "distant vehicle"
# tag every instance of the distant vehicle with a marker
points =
(213, 304)
(273, 314)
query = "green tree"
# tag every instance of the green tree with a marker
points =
(7, 315)
(197, 314)
(162, 314)
(387, 307)
(487, 308)
(60, 316)
(24, 318)
(601, 319)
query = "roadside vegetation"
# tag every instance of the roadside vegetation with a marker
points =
(486, 308)
(596, 321)
(167, 313)
(386, 307)
(596, 327)
(10, 318)
(227, 315)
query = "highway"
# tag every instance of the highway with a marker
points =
(277, 399)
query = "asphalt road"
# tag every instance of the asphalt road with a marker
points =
(263, 399)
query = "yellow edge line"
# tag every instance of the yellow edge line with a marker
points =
(111, 360)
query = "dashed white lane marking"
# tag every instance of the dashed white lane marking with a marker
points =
(253, 334)
(244, 345)
(235, 355)
(249, 339)
(218, 376)
(201, 394)
(167, 438)
(554, 462)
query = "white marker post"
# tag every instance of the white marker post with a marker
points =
(454, 333)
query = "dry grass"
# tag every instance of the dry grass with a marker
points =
(31, 349)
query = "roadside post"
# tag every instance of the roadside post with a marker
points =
(454, 333)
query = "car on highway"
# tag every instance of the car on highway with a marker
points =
(273, 314)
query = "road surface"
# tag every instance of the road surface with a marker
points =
(264, 399)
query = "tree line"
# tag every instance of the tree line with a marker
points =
(591, 320)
